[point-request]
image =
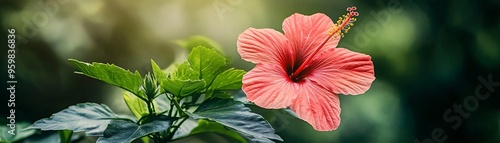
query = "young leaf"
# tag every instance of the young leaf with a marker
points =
(111, 74)
(209, 126)
(184, 71)
(180, 87)
(235, 115)
(159, 74)
(183, 81)
(124, 132)
(228, 80)
(90, 118)
(206, 62)
(136, 105)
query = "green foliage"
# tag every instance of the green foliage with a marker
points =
(182, 88)
(234, 114)
(157, 72)
(207, 63)
(124, 131)
(228, 80)
(203, 71)
(6, 137)
(111, 74)
(184, 71)
(163, 102)
(209, 126)
(218, 94)
(137, 106)
(90, 118)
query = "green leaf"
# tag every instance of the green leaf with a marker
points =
(181, 88)
(183, 81)
(207, 65)
(236, 116)
(111, 74)
(184, 71)
(120, 131)
(209, 126)
(218, 94)
(7, 137)
(90, 118)
(206, 62)
(136, 105)
(159, 74)
(65, 136)
(228, 80)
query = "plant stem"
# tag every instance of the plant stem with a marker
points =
(152, 114)
(161, 113)
(179, 109)
(176, 127)
(171, 106)
(151, 109)
(192, 101)
(174, 102)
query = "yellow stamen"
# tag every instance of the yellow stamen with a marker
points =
(344, 24)
(340, 28)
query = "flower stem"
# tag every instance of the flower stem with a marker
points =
(176, 127)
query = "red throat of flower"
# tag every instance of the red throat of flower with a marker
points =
(338, 29)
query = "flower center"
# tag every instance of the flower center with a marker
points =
(338, 29)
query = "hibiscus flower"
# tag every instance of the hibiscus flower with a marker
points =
(302, 68)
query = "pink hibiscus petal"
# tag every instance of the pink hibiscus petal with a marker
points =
(306, 33)
(317, 106)
(264, 45)
(268, 86)
(342, 71)
(319, 72)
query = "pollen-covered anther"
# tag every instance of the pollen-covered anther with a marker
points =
(344, 24)
(350, 9)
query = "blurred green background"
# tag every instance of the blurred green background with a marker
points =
(428, 56)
